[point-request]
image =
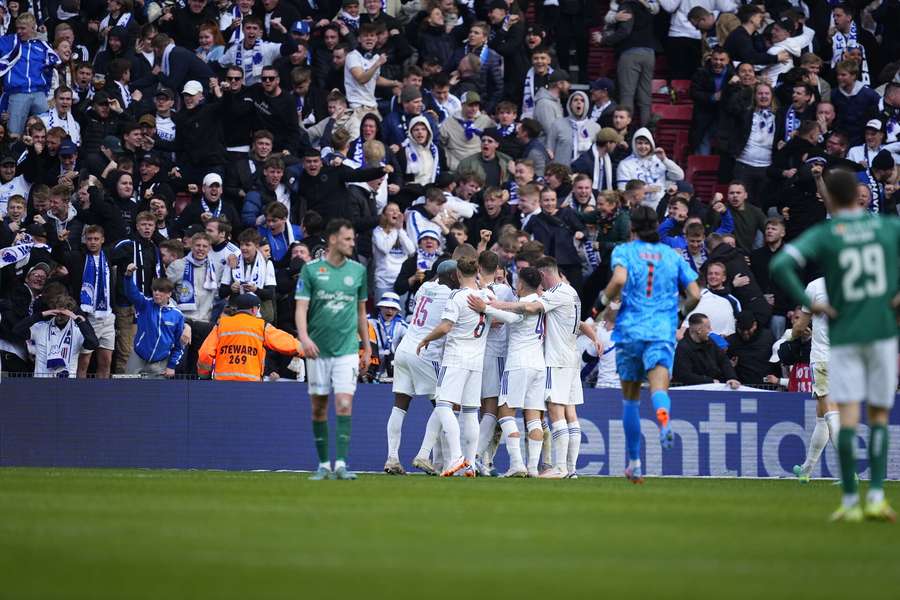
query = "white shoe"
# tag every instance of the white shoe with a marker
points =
(553, 473)
(534, 474)
(572, 475)
(515, 473)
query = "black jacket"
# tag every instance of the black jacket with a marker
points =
(278, 114)
(326, 193)
(752, 355)
(697, 363)
(481, 220)
(191, 215)
(236, 109)
(742, 47)
(556, 233)
(706, 107)
(363, 213)
(198, 135)
(750, 295)
(185, 66)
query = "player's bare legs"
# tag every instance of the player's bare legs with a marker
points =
(574, 441)
(534, 420)
(827, 427)
(560, 430)
(394, 433)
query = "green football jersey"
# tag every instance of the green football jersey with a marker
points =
(334, 294)
(858, 254)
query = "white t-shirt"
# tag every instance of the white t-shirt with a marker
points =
(526, 340)
(562, 310)
(246, 270)
(758, 151)
(718, 309)
(219, 258)
(429, 305)
(498, 333)
(820, 341)
(464, 348)
(358, 94)
(607, 376)
(390, 250)
(17, 186)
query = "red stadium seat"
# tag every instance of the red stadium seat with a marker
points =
(661, 68)
(703, 173)
(678, 114)
(601, 60)
(681, 89)
(657, 84)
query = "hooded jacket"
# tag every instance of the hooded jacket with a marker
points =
(852, 109)
(421, 163)
(649, 169)
(569, 137)
(159, 328)
(454, 140)
(547, 109)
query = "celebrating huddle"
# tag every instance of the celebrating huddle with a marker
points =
(475, 346)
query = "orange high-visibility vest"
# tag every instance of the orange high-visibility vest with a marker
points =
(235, 349)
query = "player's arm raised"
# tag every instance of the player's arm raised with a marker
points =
(519, 308)
(440, 330)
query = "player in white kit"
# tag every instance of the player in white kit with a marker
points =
(459, 380)
(562, 322)
(523, 383)
(828, 420)
(416, 375)
(494, 360)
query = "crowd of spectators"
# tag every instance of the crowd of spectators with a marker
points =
(159, 157)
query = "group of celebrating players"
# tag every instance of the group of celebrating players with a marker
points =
(476, 346)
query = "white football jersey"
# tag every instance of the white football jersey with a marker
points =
(464, 348)
(820, 341)
(428, 306)
(526, 340)
(498, 334)
(562, 315)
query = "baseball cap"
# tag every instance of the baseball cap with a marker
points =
(745, 320)
(212, 178)
(470, 98)
(68, 148)
(684, 187)
(558, 75)
(389, 300)
(447, 266)
(300, 28)
(165, 91)
(100, 97)
(151, 158)
(42, 266)
(148, 120)
(604, 83)
(244, 301)
(9, 159)
(192, 88)
(491, 132)
(113, 143)
(36, 229)
(874, 124)
(497, 4)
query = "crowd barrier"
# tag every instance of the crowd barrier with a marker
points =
(266, 426)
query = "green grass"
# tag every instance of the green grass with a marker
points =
(164, 534)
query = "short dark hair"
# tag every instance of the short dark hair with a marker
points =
(531, 127)
(336, 225)
(312, 223)
(276, 210)
(547, 263)
(697, 318)
(161, 284)
(488, 261)
(841, 187)
(466, 265)
(531, 276)
(747, 12)
(250, 236)
(645, 223)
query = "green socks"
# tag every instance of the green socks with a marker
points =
(320, 435)
(878, 451)
(846, 443)
(342, 440)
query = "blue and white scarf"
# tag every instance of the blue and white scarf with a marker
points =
(207, 209)
(506, 130)
(425, 260)
(529, 92)
(356, 151)
(281, 240)
(841, 42)
(237, 35)
(581, 137)
(482, 54)
(256, 59)
(791, 123)
(876, 192)
(349, 20)
(184, 291)
(121, 21)
(513, 188)
(59, 346)
(591, 253)
(256, 275)
(94, 296)
(470, 129)
(19, 253)
(766, 119)
(686, 255)
(386, 332)
(414, 165)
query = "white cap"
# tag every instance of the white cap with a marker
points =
(429, 233)
(389, 300)
(874, 124)
(212, 178)
(192, 88)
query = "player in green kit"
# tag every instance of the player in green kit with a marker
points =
(858, 253)
(331, 319)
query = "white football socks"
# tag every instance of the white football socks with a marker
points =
(560, 431)
(817, 442)
(513, 444)
(574, 446)
(833, 419)
(468, 421)
(534, 446)
(432, 430)
(450, 426)
(394, 431)
(485, 433)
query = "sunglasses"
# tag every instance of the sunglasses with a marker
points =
(268, 78)
(238, 78)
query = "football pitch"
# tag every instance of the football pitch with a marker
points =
(177, 534)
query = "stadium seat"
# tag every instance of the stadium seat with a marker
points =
(703, 173)
(601, 59)
(678, 114)
(661, 67)
(657, 84)
(681, 89)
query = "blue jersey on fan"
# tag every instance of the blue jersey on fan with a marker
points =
(649, 310)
